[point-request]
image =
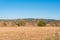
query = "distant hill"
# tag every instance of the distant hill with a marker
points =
(29, 19)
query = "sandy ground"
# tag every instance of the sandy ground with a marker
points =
(29, 33)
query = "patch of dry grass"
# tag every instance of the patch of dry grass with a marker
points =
(28, 33)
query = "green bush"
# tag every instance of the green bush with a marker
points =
(41, 23)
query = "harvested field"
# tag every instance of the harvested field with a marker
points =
(29, 33)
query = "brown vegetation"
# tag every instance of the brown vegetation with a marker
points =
(29, 30)
(19, 23)
(29, 33)
(54, 23)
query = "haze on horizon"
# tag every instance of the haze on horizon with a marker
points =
(13, 9)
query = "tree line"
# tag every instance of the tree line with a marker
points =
(40, 23)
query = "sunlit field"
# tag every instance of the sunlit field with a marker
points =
(29, 33)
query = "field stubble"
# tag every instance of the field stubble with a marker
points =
(28, 33)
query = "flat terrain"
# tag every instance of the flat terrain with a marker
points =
(29, 33)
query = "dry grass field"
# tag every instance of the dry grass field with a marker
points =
(28, 33)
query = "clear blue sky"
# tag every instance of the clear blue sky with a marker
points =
(47, 9)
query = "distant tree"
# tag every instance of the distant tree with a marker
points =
(54, 23)
(4, 24)
(20, 23)
(41, 23)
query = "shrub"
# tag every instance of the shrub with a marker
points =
(41, 23)
(4, 24)
(21, 23)
(55, 23)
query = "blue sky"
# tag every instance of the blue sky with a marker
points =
(47, 9)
